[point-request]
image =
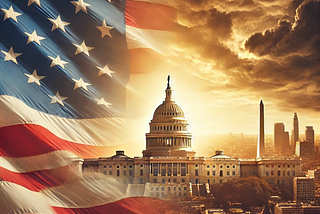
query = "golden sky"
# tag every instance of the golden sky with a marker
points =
(228, 56)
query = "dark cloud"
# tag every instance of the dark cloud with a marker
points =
(283, 35)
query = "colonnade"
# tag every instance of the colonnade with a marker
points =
(168, 141)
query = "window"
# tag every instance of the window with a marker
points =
(221, 166)
(174, 188)
(110, 172)
(118, 173)
(293, 165)
(130, 166)
(130, 173)
(130, 181)
(141, 180)
(179, 188)
(141, 171)
(118, 167)
(184, 188)
(284, 173)
(163, 181)
(124, 166)
(272, 173)
(196, 172)
(124, 173)
(151, 189)
(110, 166)
(293, 173)
(155, 181)
(288, 166)
(213, 166)
(221, 173)
(233, 172)
(168, 189)
(267, 173)
(272, 165)
(174, 180)
(162, 188)
(208, 173)
(104, 166)
(213, 173)
(220, 181)
(155, 169)
(157, 189)
(196, 165)
(228, 173)
(183, 180)
(228, 166)
(267, 165)
(279, 173)
(288, 173)
(169, 180)
(141, 165)
(175, 171)
(105, 172)
(163, 169)
(234, 166)
(183, 169)
(208, 181)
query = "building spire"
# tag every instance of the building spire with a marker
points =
(168, 90)
(261, 146)
(168, 83)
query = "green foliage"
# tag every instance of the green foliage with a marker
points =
(250, 191)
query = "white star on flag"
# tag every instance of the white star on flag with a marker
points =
(33, 37)
(58, 23)
(82, 48)
(57, 61)
(10, 14)
(34, 77)
(34, 1)
(105, 70)
(80, 5)
(10, 55)
(105, 30)
(57, 98)
(80, 84)
(103, 102)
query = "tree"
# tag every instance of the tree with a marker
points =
(250, 191)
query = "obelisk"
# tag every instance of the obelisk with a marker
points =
(260, 146)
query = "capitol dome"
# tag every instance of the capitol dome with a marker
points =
(168, 134)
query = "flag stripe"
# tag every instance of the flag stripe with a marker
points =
(50, 160)
(38, 180)
(97, 131)
(32, 139)
(124, 206)
(145, 38)
(147, 15)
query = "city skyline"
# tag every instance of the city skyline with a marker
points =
(219, 75)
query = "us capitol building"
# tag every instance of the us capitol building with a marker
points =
(169, 165)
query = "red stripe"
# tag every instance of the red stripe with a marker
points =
(38, 180)
(143, 60)
(25, 140)
(125, 206)
(152, 16)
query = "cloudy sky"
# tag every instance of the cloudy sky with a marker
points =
(228, 56)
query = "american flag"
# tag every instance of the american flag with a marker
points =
(64, 67)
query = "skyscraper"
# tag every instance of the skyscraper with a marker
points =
(278, 133)
(295, 132)
(260, 147)
(281, 139)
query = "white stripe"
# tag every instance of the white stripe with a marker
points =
(47, 161)
(17, 199)
(91, 191)
(99, 131)
(153, 39)
(163, 2)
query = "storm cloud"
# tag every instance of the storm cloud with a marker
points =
(262, 48)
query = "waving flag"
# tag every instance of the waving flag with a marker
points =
(64, 66)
